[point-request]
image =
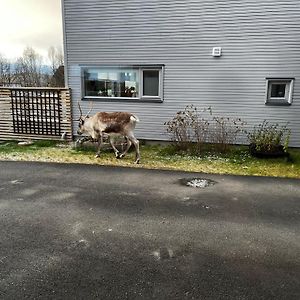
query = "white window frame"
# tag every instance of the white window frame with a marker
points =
(289, 87)
(140, 69)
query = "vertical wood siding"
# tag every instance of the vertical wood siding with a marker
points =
(259, 39)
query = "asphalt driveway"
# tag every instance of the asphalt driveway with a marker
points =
(92, 232)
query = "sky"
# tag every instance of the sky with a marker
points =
(34, 23)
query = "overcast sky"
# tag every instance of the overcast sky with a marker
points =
(35, 23)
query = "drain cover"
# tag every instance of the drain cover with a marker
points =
(197, 182)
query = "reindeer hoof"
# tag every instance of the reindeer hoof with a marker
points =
(121, 155)
(97, 155)
(137, 162)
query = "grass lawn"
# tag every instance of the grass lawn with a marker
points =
(238, 161)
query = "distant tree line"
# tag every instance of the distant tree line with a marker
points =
(30, 71)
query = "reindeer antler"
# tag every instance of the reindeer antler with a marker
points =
(79, 109)
(81, 114)
(91, 107)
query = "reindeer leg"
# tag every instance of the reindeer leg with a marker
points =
(129, 143)
(100, 141)
(77, 142)
(80, 141)
(112, 143)
(137, 154)
(136, 144)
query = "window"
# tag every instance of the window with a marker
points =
(136, 83)
(150, 83)
(279, 91)
(111, 83)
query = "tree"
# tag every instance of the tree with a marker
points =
(6, 77)
(56, 59)
(29, 68)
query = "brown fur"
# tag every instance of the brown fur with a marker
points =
(112, 128)
(115, 121)
(114, 117)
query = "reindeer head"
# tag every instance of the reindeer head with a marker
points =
(82, 119)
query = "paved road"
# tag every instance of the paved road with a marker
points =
(87, 232)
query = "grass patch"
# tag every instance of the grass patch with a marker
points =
(237, 161)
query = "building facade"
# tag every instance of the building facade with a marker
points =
(152, 58)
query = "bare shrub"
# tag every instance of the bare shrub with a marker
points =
(192, 129)
(200, 127)
(189, 130)
(179, 127)
(226, 131)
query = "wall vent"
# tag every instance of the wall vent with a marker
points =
(217, 51)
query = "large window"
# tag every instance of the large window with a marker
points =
(279, 91)
(123, 83)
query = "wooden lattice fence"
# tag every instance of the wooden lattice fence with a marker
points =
(35, 113)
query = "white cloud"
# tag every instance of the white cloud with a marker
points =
(35, 23)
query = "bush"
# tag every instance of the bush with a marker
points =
(191, 130)
(269, 139)
(226, 131)
(188, 128)
(179, 129)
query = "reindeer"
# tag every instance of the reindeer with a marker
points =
(111, 124)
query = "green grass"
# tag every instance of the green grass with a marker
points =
(238, 161)
(12, 146)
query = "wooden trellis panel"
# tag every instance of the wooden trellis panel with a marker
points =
(35, 113)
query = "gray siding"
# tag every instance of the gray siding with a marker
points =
(259, 39)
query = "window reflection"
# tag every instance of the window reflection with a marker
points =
(111, 83)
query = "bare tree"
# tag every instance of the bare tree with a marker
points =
(6, 77)
(29, 71)
(29, 68)
(56, 59)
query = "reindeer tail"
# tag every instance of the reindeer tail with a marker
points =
(134, 119)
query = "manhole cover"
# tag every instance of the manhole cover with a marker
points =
(197, 182)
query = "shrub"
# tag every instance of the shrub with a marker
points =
(269, 138)
(179, 129)
(188, 129)
(226, 131)
(192, 129)
(199, 127)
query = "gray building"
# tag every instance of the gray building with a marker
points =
(152, 58)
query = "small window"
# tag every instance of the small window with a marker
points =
(124, 83)
(279, 91)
